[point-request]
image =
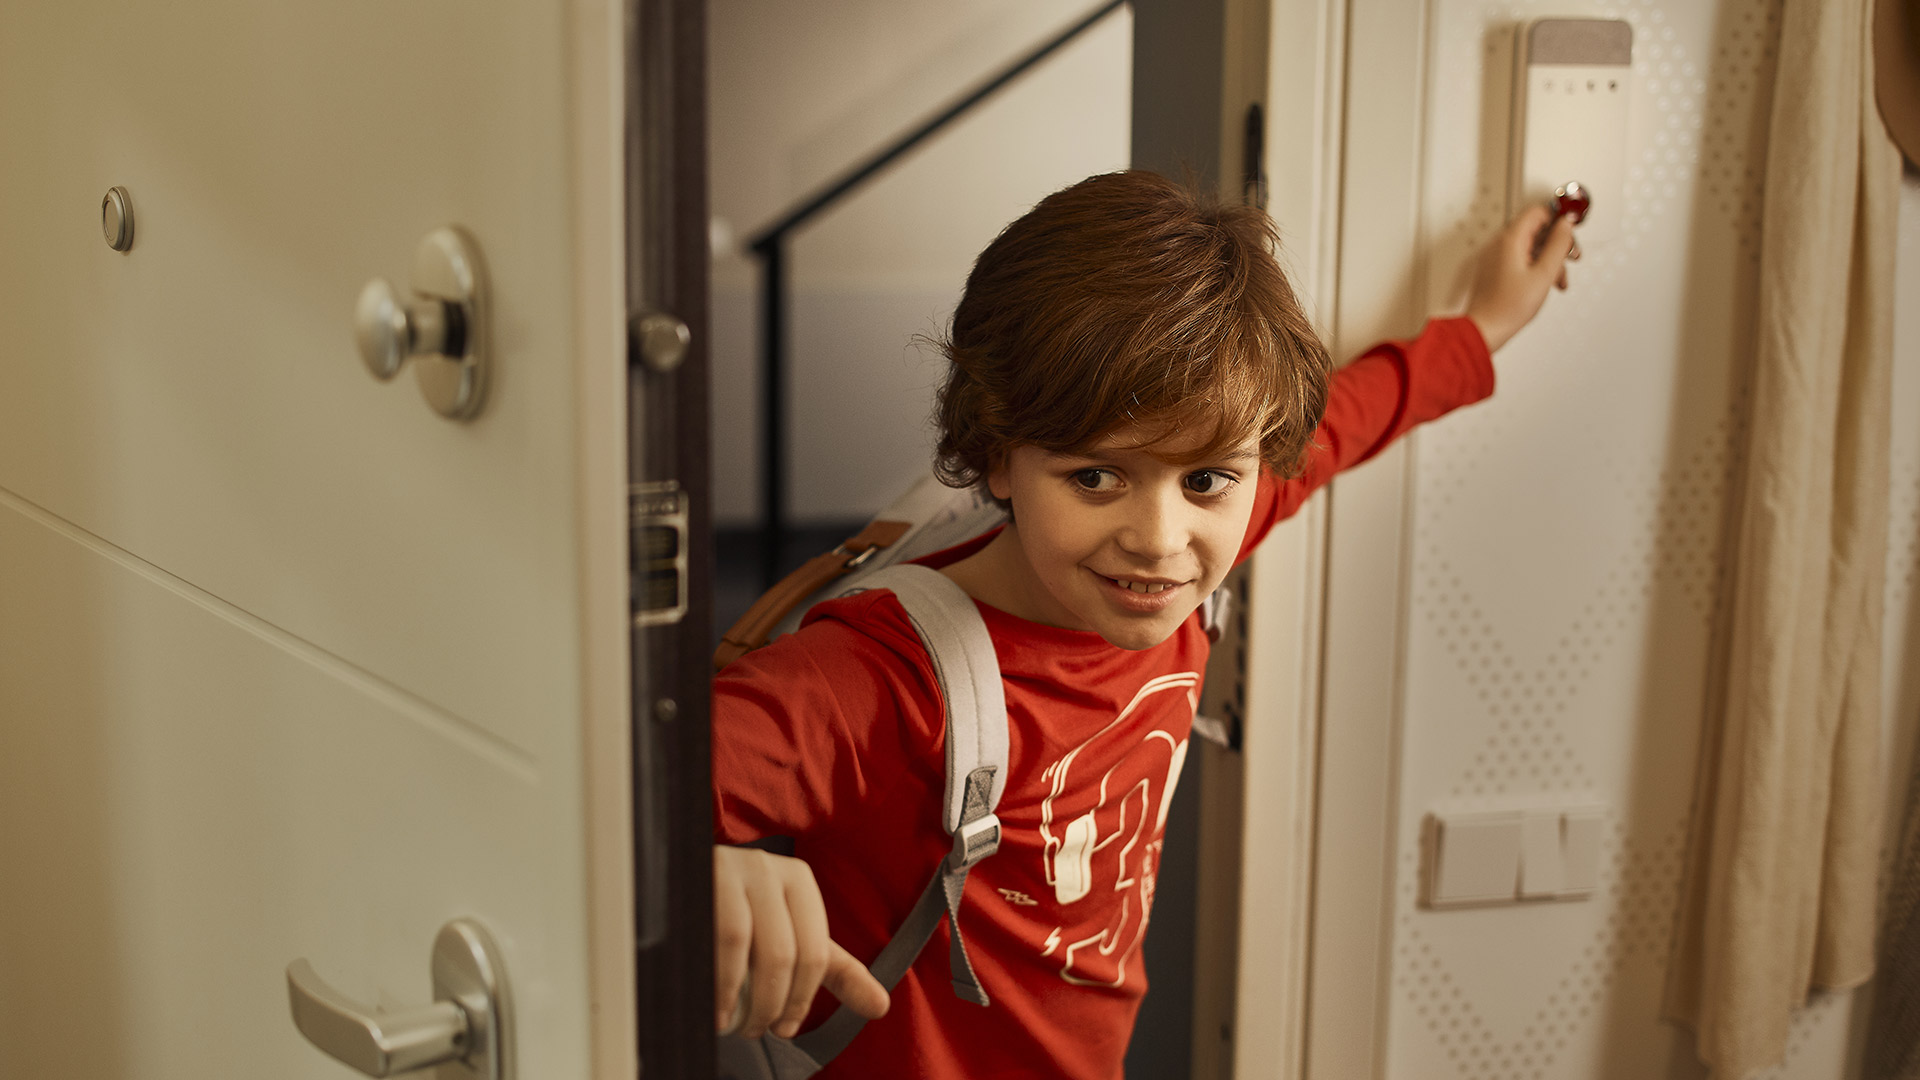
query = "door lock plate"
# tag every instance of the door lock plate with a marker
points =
(658, 558)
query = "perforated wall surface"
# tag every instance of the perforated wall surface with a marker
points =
(1567, 549)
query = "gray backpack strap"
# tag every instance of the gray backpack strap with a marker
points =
(825, 1042)
(975, 700)
(768, 1057)
(976, 705)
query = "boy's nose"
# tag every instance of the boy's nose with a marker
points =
(1155, 530)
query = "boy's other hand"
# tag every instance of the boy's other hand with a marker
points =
(771, 926)
(1510, 283)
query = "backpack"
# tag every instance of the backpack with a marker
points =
(930, 517)
(956, 640)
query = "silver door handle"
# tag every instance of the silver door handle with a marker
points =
(376, 1043)
(467, 1021)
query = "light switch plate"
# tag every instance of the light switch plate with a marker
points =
(1472, 858)
(1572, 86)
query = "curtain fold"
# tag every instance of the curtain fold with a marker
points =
(1784, 842)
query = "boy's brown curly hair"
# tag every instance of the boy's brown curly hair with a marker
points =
(1129, 299)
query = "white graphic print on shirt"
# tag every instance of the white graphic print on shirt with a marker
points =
(1078, 859)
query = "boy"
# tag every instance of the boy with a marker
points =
(1132, 377)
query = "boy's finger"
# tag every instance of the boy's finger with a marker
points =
(1556, 248)
(1525, 232)
(773, 953)
(1530, 221)
(810, 949)
(732, 938)
(850, 981)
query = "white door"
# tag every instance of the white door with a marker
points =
(290, 665)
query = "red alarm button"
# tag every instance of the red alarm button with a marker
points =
(1571, 198)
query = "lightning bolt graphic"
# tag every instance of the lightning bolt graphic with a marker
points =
(1053, 942)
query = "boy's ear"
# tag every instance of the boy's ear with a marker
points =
(998, 483)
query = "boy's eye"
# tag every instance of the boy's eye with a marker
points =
(1095, 480)
(1209, 482)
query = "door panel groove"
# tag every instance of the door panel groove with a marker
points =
(477, 739)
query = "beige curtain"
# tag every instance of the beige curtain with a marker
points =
(1785, 842)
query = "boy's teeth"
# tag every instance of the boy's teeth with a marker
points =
(1141, 586)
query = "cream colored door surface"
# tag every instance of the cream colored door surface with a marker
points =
(291, 666)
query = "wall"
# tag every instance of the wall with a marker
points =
(801, 91)
(1564, 549)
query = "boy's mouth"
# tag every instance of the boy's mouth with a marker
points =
(1145, 588)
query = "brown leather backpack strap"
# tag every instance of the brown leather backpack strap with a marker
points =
(776, 603)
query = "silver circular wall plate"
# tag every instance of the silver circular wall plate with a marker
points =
(447, 266)
(116, 218)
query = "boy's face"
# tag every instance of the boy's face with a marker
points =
(1118, 540)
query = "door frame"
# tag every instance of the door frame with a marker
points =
(1260, 806)
(667, 271)
(1382, 294)
(1309, 802)
(597, 93)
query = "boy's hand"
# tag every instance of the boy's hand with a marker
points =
(768, 916)
(1509, 283)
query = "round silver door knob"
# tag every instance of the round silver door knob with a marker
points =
(662, 340)
(389, 332)
(440, 324)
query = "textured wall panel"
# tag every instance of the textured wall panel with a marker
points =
(1568, 549)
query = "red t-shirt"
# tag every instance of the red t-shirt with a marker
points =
(834, 736)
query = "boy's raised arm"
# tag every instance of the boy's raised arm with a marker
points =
(1398, 384)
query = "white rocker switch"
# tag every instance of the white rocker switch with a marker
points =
(1580, 851)
(1473, 858)
(1542, 870)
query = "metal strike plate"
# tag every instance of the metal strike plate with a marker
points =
(658, 556)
